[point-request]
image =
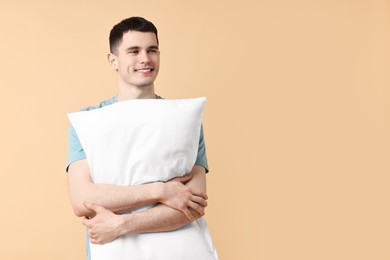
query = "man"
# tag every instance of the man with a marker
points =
(135, 56)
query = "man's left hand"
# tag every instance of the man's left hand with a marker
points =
(104, 227)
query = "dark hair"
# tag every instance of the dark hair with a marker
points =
(130, 24)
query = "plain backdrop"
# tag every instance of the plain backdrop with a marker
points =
(296, 123)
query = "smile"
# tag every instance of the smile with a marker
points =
(144, 70)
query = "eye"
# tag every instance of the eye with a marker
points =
(153, 51)
(133, 52)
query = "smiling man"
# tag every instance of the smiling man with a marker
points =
(135, 56)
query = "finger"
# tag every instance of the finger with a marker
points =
(188, 214)
(86, 222)
(199, 200)
(185, 178)
(91, 235)
(196, 207)
(200, 193)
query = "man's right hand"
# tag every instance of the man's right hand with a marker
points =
(177, 195)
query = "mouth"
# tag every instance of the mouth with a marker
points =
(144, 70)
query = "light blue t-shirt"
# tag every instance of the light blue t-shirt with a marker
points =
(76, 151)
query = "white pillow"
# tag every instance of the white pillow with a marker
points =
(141, 141)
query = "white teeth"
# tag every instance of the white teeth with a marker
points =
(145, 70)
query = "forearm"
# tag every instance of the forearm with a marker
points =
(115, 198)
(161, 217)
(157, 219)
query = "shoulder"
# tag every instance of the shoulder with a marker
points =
(104, 103)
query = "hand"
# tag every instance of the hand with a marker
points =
(181, 197)
(104, 226)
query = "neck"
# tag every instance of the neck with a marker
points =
(136, 93)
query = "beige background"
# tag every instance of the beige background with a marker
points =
(297, 121)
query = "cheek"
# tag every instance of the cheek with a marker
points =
(124, 67)
(155, 58)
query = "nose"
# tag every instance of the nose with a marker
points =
(143, 57)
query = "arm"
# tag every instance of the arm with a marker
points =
(122, 198)
(106, 226)
(162, 217)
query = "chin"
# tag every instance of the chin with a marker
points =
(146, 85)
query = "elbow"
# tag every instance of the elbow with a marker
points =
(83, 212)
(185, 221)
(77, 200)
(79, 213)
(80, 210)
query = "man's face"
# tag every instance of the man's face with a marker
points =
(137, 59)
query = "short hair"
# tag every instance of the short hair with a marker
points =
(130, 24)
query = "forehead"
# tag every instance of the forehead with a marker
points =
(138, 39)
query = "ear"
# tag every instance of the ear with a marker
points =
(113, 61)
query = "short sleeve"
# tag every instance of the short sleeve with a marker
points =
(75, 150)
(201, 159)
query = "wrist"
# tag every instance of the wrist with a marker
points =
(157, 191)
(126, 226)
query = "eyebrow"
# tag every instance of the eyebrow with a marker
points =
(153, 47)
